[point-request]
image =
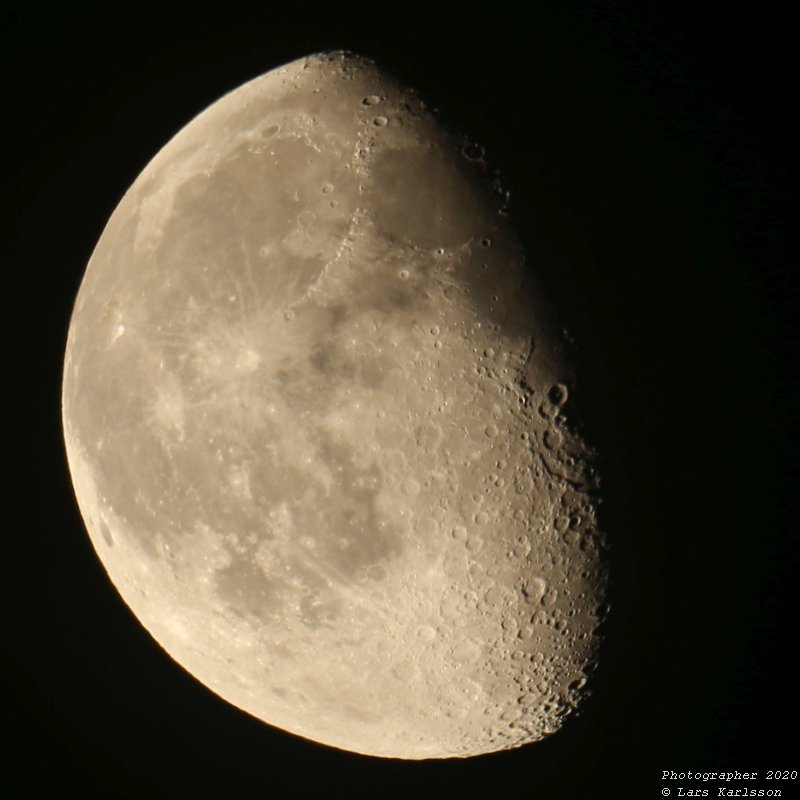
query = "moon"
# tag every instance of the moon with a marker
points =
(317, 418)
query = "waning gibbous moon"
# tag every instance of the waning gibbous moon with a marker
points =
(316, 417)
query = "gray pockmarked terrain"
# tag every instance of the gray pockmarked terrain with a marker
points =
(316, 418)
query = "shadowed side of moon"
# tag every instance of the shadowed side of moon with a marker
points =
(314, 414)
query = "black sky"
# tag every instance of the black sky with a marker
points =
(649, 151)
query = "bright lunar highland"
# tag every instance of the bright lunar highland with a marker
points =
(316, 416)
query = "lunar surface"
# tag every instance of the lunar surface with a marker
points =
(318, 424)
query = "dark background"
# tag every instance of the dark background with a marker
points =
(647, 147)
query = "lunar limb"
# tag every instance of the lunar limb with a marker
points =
(315, 412)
